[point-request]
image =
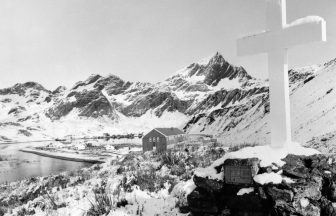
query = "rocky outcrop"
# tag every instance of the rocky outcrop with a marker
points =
(218, 68)
(89, 103)
(159, 101)
(59, 90)
(16, 110)
(309, 189)
(21, 88)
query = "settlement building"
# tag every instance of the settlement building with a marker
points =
(159, 139)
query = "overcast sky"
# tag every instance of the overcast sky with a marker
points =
(59, 42)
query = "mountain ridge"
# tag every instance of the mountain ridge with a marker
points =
(211, 97)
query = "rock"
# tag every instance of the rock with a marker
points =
(327, 208)
(24, 132)
(47, 99)
(329, 188)
(295, 167)
(59, 90)
(97, 108)
(262, 193)
(16, 110)
(218, 68)
(304, 207)
(310, 189)
(22, 88)
(283, 208)
(202, 202)
(248, 204)
(310, 194)
(210, 185)
(280, 194)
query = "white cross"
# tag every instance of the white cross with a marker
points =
(278, 37)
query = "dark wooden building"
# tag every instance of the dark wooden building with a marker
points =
(159, 139)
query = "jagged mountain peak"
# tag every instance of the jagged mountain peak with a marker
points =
(59, 90)
(217, 58)
(211, 71)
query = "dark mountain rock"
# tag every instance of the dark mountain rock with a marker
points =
(112, 84)
(218, 68)
(24, 132)
(59, 90)
(60, 110)
(161, 101)
(97, 108)
(16, 110)
(21, 88)
(93, 78)
(296, 77)
(90, 103)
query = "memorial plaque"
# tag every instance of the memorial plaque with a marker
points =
(238, 175)
(240, 171)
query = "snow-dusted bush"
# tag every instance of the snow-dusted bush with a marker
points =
(102, 204)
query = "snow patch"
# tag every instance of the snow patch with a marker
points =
(245, 191)
(304, 202)
(209, 172)
(267, 178)
(227, 84)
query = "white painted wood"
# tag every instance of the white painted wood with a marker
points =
(278, 37)
(282, 38)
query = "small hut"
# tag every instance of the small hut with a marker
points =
(159, 139)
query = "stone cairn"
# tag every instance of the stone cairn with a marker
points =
(312, 190)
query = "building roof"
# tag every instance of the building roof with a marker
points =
(169, 131)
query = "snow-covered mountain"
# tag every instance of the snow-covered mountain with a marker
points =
(211, 96)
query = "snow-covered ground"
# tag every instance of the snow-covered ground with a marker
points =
(135, 184)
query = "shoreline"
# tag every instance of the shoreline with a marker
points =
(69, 157)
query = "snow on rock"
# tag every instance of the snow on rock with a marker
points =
(208, 172)
(267, 155)
(308, 19)
(266, 178)
(184, 188)
(245, 191)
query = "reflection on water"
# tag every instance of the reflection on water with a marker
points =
(18, 165)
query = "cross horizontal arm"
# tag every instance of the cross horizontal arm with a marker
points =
(283, 38)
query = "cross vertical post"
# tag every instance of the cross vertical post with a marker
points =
(275, 41)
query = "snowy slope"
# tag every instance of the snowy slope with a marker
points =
(313, 104)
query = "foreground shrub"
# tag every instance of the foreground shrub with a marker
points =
(102, 204)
